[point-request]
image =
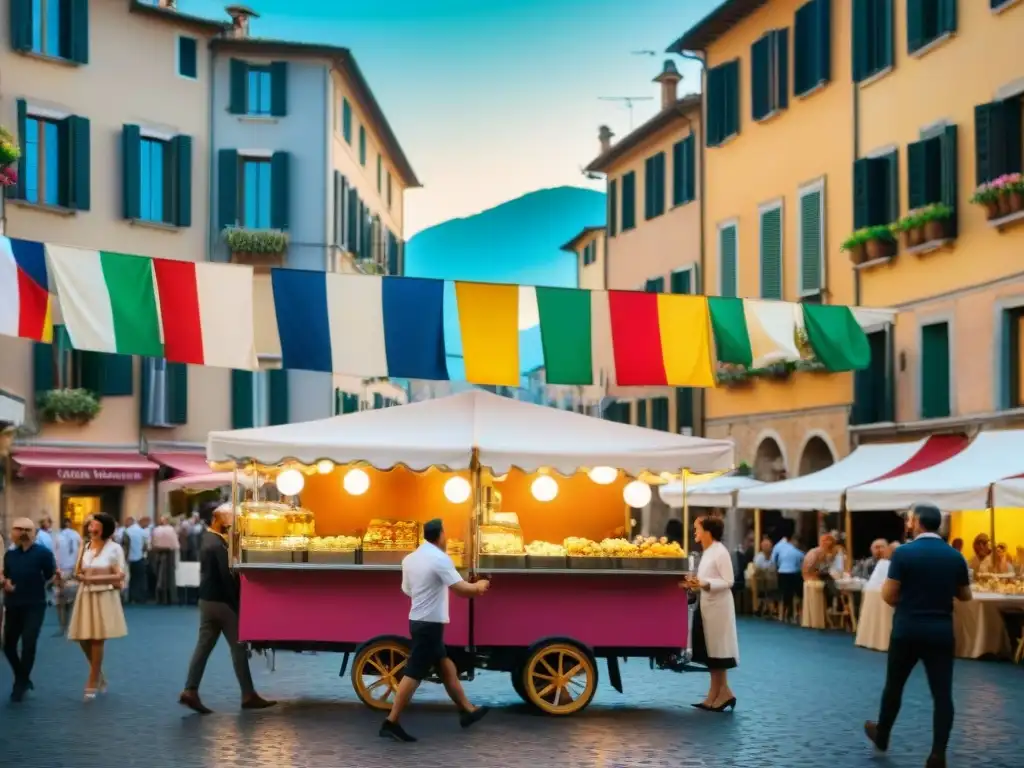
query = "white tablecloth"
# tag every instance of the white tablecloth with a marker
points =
(875, 623)
(813, 606)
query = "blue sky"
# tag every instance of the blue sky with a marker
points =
(492, 98)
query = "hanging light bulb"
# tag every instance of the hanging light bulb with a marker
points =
(356, 482)
(637, 494)
(604, 475)
(325, 466)
(457, 489)
(544, 488)
(290, 482)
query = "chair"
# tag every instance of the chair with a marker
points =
(186, 576)
(841, 615)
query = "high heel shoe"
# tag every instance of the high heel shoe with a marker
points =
(700, 705)
(103, 686)
(90, 694)
(730, 704)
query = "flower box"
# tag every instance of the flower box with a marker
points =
(256, 246)
(67, 406)
(869, 244)
(926, 225)
(1000, 197)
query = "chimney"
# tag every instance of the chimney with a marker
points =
(669, 79)
(240, 16)
(604, 135)
(170, 5)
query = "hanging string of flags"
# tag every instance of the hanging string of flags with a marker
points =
(370, 326)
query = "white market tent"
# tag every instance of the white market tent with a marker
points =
(717, 493)
(960, 482)
(823, 490)
(444, 432)
(1009, 493)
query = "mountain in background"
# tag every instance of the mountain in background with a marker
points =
(515, 242)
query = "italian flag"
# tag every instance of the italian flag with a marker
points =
(186, 312)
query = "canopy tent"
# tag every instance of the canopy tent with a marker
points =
(823, 490)
(1009, 493)
(444, 432)
(204, 482)
(961, 482)
(718, 492)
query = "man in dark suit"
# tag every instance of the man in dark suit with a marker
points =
(925, 576)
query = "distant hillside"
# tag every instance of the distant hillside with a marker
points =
(515, 242)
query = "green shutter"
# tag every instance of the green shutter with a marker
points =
(239, 85)
(378, 401)
(655, 285)
(227, 188)
(771, 254)
(892, 175)
(713, 104)
(780, 69)
(146, 393)
(177, 393)
(77, 31)
(362, 145)
(948, 174)
(1010, 135)
(241, 399)
(613, 203)
(935, 376)
(810, 243)
(79, 190)
(812, 46)
(885, 35)
(629, 201)
(861, 40)
(43, 379)
(861, 193)
(279, 88)
(279, 410)
(690, 159)
(659, 413)
(681, 283)
(648, 194)
(346, 120)
(280, 197)
(118, 377)
(181, 150)
(822, 42)
(131, 171)
(91, 371)
(917, 35)
(22, 120)
(732, 99)
(380, 172)
(21, 25)
(917, 175)
(727, 261)
(641, 413)
(684, 408)
(947, 16)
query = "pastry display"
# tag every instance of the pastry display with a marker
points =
(504, 539)
(334, 543)
(652, 547)
(392, 535)
(545, 549)
(619, 548)
(999, 584)
(271, 519)
(577, 547)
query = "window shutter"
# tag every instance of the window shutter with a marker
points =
(655, 285)
(886, 34)
(280, 199)
(613, 204)
(91, 371)
(810, 242)
(1010, 135)
(378, 401)
(279, 88)
(771, 254)
(227, 188)
(677, 173)
(181, 151)
(641, 413)
(861, 193)
(394, 264)
(241, 399)
(947, 16)
(147, 415)
(935, 371)
(681, 282)
(353, 221)
(803, 47)
(79, 191)
(648, 193)
(713, 121)
(78, 32)
(278, 396)
(727, 256)
(861, 39)
(239, 77)
(690, 159)
(118, 374)
(659, 413)
(22, 109)
(43, 379)
(21, 25)
(732, 101)
(892, 176)
(684, 408)
(917, 36)
(339, 234)
(780, 69)
(917, 174)
(177, 393)
(822, 46)
(948, 173)
(131, 171)
(760, 77)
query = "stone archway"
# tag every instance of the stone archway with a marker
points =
(816, 456)
(769, 463)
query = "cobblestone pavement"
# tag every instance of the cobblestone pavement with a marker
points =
(803, 696)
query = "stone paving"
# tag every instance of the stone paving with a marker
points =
(803, 696)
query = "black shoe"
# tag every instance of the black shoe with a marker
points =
(729, 704)
(18, 693)
(935, 761)
(467, 719)
(699, 705)
(390, 730)
(875, 736)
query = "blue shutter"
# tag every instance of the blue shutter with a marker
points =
(280, 198)
(131, 171)
(21, 25)
(19, 187)
(279, 88)
(77, 31)
(278, 396)
(227, 188)
(181, 151)
(177, 393)
(239, 85)
(241, 399)
(79, 149)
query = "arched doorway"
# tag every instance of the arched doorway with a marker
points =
(769, 467)
(815, 457)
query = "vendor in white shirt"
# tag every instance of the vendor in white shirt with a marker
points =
(881, 571)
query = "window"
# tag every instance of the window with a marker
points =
(727, 274)
(389, 189)
(362, 145)
(258, 90)
(769, 74)
(259, 398)
(60, 366)
(346, 120)
(684, 409)
(613, 207)
(629, 201)
(812, 46)
(684, 171)
(872, 38)
(380, 173)
(931, 172)
(590, 253)
(682, 281)
(873, 386)
(157, 177)
(257, 100)
(153, 159)
(164, 393)
(811, 246)
(1000, 4)
(935, 374)
(771, 251)
(57, 28)
(341, 193)
(42, 161)
(928, 20)
(723, 102)
(655, 285)
(876, 199)
(654, 186)
(1013, 357)
(659, 413)
(54, 168)
(188, 57)
(256, 191)
(345, 402)
(641, 413)
(997, 139)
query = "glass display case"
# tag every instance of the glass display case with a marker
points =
(271, 532)
(334, 550)
(386, 542)
(501, 542)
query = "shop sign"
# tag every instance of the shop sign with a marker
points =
(86, 475)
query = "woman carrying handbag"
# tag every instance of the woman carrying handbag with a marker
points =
(98, 615)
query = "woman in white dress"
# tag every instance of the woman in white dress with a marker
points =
(98, 615)
(714, 626)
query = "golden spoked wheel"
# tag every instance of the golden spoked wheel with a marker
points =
(377, 671)
(559, 679)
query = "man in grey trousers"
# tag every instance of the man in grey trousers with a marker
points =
(218, 612)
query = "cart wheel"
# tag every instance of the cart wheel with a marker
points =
(559, 678)
(517, 682)
(377, 671)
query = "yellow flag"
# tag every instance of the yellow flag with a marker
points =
(685, 340)
(489, 323)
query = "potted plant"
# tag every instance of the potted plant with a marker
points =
(935, 220)
(743, 470)
(856, 246)
(1012, 198)
(987, 196)
(912, 228)
(256, 242)
(67, 406)
(870, 244)
(9, 154)
(732, 375)
(776, 371)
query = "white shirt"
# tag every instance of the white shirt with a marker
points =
(878, 576)
(111, 556)
(119, 534)
(136, 542)
(69, 541)
(426, 576)
(44, 539)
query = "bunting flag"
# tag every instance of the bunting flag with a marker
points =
(129, 305)
(566, 335)
(837, 337)
(25, 309)
(489, 322)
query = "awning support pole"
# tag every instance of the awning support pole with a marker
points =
(476, 480)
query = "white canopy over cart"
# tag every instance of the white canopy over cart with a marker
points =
(717, 493)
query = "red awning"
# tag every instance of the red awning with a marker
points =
(183, 463)
(936, 449)
(83, 466)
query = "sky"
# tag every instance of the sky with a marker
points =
(491, 99)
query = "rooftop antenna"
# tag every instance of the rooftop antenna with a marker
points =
(645, 52)
(628, 101)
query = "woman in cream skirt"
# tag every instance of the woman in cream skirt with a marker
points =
(98, 615)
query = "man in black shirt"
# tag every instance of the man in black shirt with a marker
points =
(28, 567)
(925, 576)
(218, 612)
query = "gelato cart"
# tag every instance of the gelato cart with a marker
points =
(537, 499)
